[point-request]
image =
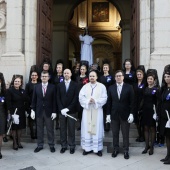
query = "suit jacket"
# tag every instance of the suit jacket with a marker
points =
(120, 107)
(47, 102)
(67, 99)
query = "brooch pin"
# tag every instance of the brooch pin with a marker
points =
(168, 97)
(2, 99)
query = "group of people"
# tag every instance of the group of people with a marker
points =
(101, 99)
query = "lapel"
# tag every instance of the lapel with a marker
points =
(115, 91)
(123, 90)
(40, 90)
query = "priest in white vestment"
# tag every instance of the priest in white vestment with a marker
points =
(92, 97)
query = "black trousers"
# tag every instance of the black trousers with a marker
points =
(49, 123)
(124, 125)
(67, 125)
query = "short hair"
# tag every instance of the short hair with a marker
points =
(106, 65)
(151, 75)
(141, 71)
(119, 71)
(94, 72)
(44, 72)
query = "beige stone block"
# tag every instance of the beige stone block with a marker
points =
(14, 16)
(162, 24)
(14, 31)
(161, 8)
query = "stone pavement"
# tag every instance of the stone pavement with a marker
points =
(45, 160)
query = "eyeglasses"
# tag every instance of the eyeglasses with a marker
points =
(44, 76)
(118, 75)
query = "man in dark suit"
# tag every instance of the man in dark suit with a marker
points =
(67, 98)
(44, 108)
(119, 112)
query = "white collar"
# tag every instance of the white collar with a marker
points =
(67, 81)
(121, 84)
(46, 84)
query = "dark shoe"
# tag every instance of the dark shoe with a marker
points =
(165, 159)
(0, 156)
(167, 162)
(151, 151)
(86, 153)
(99, 153)
(5, 139)
(20, 146)
(72, 150)
(38, 149)
(15, 148)
(145, 150)
(52, 149)
(79, 128)
(115, 153)
(126, 155)
(63, 150)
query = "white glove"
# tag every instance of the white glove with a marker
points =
(167, 124)
(130, 118)
(32, 114)
(154, 116)
(108, 120)
(53, 116)
(15, 118)
(64, 112)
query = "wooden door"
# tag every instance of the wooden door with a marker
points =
(44, 30)
(134, 51)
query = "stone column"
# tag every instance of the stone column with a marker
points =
(13, 61)
(30, 34)
(145, 33)
(14, 31)
(125, 25)
(160, 55)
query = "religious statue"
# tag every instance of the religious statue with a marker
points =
(86, 47)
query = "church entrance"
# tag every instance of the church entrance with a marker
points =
(114, 26)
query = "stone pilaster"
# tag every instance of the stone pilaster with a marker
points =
(160, 55)
(125, 25)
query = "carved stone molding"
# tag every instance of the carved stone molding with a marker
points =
(2, 15)
(2, 20)
(2, 1)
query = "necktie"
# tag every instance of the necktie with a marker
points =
(119, 89)
(44, 90)
(67, 85)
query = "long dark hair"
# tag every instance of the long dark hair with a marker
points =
(3, 87)
(132, 65)
(164, 84)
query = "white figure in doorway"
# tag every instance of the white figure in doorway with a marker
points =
(86, 47)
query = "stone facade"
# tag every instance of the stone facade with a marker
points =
(18, 33)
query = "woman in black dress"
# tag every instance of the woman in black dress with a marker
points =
(2, 110)
(107, 80)
(82, 79)
(29, 92)
(139, 88)
(165, 105)
(16, 98)
(129, 72)
(151, 97)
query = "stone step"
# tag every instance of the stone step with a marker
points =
(107, 138)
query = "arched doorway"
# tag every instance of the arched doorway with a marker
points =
(53, 30)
